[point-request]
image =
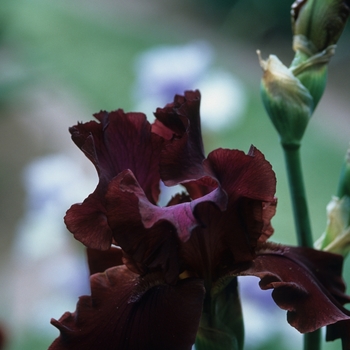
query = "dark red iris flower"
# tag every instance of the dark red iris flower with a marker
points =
(148, 293)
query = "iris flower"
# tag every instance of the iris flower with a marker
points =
(155, 270)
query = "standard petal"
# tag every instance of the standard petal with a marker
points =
(119, 141)
(130, 313)
(182, 156)
(307, 283)
(131, 145)
(243, 175)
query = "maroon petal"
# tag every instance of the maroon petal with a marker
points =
(120, 141)
(243, 175)
(182, 156)
(88, 222)
(232, 235)
(307, 288)
(268, 210)
(150, 248)
(329, 273)
(100, 261)
(128, 312)
(132, 145)
(226, 237)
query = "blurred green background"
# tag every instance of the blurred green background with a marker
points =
(61, 61)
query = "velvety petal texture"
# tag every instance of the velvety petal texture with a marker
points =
(148, 249)
(182, 158)
(130, 313)
(231, 235)
(118, 141)
(305, 282)
(101, 260)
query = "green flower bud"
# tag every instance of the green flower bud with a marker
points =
(317, 26)
(336, 238)
(321, 22)
(287, 101)
(221, 325)
(312, 72)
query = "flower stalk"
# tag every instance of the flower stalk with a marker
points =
(298, 196)
(312, 341)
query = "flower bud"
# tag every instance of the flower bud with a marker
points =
(321, 22)
(336, 238)
(317, 26)
(286, 100)
(312, 72)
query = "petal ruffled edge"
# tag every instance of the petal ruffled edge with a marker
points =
(179, 123)
(88, 223)
(120, 141)
(147, 249)
(308, 288)
(125, 311)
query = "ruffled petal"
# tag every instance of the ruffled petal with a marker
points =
(128, 312)
(88, 222)
(231, 235)
(147, 248)
(182, 156)
(306, 282)
(119, 141)
(243, 175)
(226, 237)
(131, 145)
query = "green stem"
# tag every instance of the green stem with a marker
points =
(298, 195)
(221, 324)
(312, 341)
